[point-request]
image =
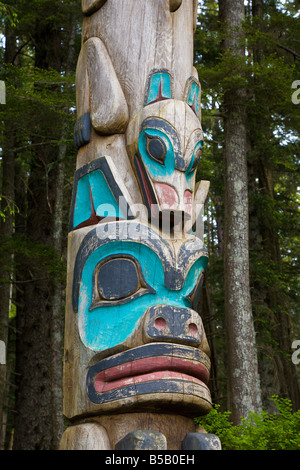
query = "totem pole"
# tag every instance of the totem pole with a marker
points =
(136, 362)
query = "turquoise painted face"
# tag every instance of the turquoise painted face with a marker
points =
(166, 171)
(115, 282)
(165, 145)
(160, 149)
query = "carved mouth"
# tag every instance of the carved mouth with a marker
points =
(149, 369)
(152, 368)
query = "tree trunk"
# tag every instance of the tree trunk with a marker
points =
(278, 373)
(6, 231)
(243, 384)
(57, 323)
(34, 424)
(279, 319)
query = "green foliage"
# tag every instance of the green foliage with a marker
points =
(261, 431)
(7, 13)
(266, 72)
(43, 261)
(9, 207)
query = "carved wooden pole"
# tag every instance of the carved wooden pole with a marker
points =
(136, 361)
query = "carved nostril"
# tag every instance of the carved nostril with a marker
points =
(160, 323)
(193, 329)
(168, 323)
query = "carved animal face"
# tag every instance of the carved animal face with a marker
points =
(134, 295)
(167, 157)
(115, 282)
(164, 142)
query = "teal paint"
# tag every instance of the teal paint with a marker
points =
(160, 87)
(82, 210)
(162, 171)
(189, 172)
(104, 201)
(156, 169)
(104, 327)
(193, 99)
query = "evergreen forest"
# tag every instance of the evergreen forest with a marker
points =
(248, 61)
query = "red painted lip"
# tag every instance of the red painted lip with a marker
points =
(149, 369)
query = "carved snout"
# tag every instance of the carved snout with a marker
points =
(177, 196)
(167, 323)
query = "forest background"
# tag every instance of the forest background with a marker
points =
(250, 75)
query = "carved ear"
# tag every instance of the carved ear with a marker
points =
(90, 6)
(159, 86)
(99, 192)
(192, 95)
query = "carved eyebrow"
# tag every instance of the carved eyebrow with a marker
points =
(175, 267)
(168, 129)
(98, 237)
(112, 287)
(160, 124)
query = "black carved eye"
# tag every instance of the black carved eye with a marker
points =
(156, 148)
(118, 280)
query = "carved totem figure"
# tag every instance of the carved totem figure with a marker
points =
(136, 361)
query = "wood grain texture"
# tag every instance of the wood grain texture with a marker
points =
(115, 63)
(133, 342)
(107, 105)
(173, 426)
(90, 6)
(103, 433)
(85, 436)
(159, 39)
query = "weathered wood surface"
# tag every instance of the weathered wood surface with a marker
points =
(103, 433)
(86, 436)
(86, 345)
(115, 64)
(136, 354)
(158, 39)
